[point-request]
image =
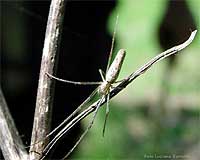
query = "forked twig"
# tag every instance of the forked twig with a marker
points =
(119, 88)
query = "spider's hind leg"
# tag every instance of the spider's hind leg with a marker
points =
(107, 112)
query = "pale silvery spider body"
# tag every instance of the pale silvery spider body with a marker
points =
(112, 73)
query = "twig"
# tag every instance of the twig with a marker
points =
(42, 118)
(140, 71)
(10, 142)
(119, 88)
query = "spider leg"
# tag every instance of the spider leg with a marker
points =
(107, 113)
(102, 74)
(112, 45)
(73, 82)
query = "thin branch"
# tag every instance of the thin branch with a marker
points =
(119, 88)
(42, 118)
(10, 141)
(140, 71)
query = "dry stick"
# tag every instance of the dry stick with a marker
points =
(42, 118)
(10, 141)
(120, 87)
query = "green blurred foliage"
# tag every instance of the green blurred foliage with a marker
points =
(131, 133)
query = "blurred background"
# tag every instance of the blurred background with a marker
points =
(157, 115)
